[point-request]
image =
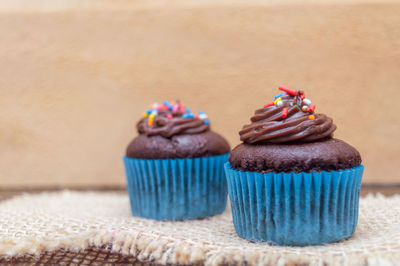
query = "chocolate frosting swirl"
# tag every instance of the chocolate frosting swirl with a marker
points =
(168, 123)
(270, 126)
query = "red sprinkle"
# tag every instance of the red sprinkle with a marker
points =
(269, 104)
(312, 108)
(169, 116)
(196, 116)
(162, 107)
(288, 91)
(284, 112)
(182, 108)
(302, 96)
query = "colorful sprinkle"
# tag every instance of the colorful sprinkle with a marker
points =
(307, 101)
(170, 105)
(311, 117)
(277, 100)
(280, 94)
(312, 108)
(284, 112)
(164, 107)
(269, 104)
(202, 116)
(288, 91)
(175, 108)
(299, 101)
(150, 120)
(190, 115)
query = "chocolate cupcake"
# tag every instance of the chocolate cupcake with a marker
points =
(174, 167)
(290, 182)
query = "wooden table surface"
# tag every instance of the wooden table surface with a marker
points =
(104, 255)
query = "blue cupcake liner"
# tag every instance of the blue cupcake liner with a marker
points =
(295, 209)
(176, 189)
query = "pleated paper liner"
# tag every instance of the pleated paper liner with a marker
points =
(177, 189)
(295, 209)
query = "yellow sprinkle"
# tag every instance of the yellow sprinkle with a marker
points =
(311, 117)
(277, 100)
(150, 120)
(144, 115)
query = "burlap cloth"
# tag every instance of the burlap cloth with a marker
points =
(36, 224)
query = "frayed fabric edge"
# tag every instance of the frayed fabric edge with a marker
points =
(164, 251)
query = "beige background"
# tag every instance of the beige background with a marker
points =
(76, 76)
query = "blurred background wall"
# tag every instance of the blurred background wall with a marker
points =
(75, 76)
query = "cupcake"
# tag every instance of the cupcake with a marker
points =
(175, 166)
(290, 182)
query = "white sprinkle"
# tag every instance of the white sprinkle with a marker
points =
(304, 108)
(307, 101)
(203, 116)
(279, 103)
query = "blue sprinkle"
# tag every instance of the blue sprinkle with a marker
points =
(166, 103)
(279, 95)
(206, 122)
(201, 112)
(187, 110)
(148, 111)
(190, 115)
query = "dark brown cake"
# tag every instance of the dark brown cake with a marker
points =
(171, 131)
(326, 155)
(288, 136)
(207, 143)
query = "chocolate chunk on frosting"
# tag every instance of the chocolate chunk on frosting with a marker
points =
(171, 119)
(289, 118)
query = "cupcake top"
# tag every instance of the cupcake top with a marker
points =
(172, 118)
(287, 135)
(290, 117)
(170, 130)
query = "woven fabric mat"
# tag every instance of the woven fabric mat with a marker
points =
(36, 224)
